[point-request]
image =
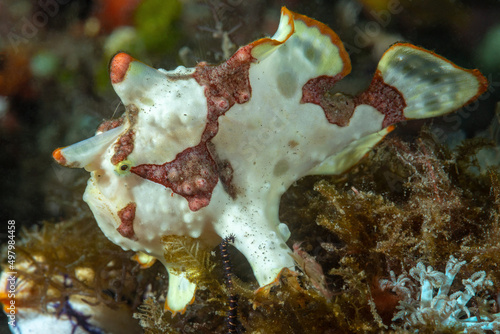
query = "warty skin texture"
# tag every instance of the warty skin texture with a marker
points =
(208, 152)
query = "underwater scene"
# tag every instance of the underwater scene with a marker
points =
(230, 166)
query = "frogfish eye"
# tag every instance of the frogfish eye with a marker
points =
(123, 167)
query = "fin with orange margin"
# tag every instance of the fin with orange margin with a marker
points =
(144, 260)
(180, 292)
(411, 82)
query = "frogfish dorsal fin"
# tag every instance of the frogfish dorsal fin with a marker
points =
(304, 45)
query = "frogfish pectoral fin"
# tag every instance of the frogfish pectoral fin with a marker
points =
(180, 292)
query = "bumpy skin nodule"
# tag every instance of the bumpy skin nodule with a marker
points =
(208, 152)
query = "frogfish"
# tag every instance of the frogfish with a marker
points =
(207, 152)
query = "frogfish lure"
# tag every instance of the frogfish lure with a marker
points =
(207, 152)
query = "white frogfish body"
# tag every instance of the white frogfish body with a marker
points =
(207, 152)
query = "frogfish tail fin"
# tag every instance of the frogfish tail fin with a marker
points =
(411, 82)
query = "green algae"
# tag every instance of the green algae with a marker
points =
(430, 203)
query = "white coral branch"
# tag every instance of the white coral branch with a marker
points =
(442, 309)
